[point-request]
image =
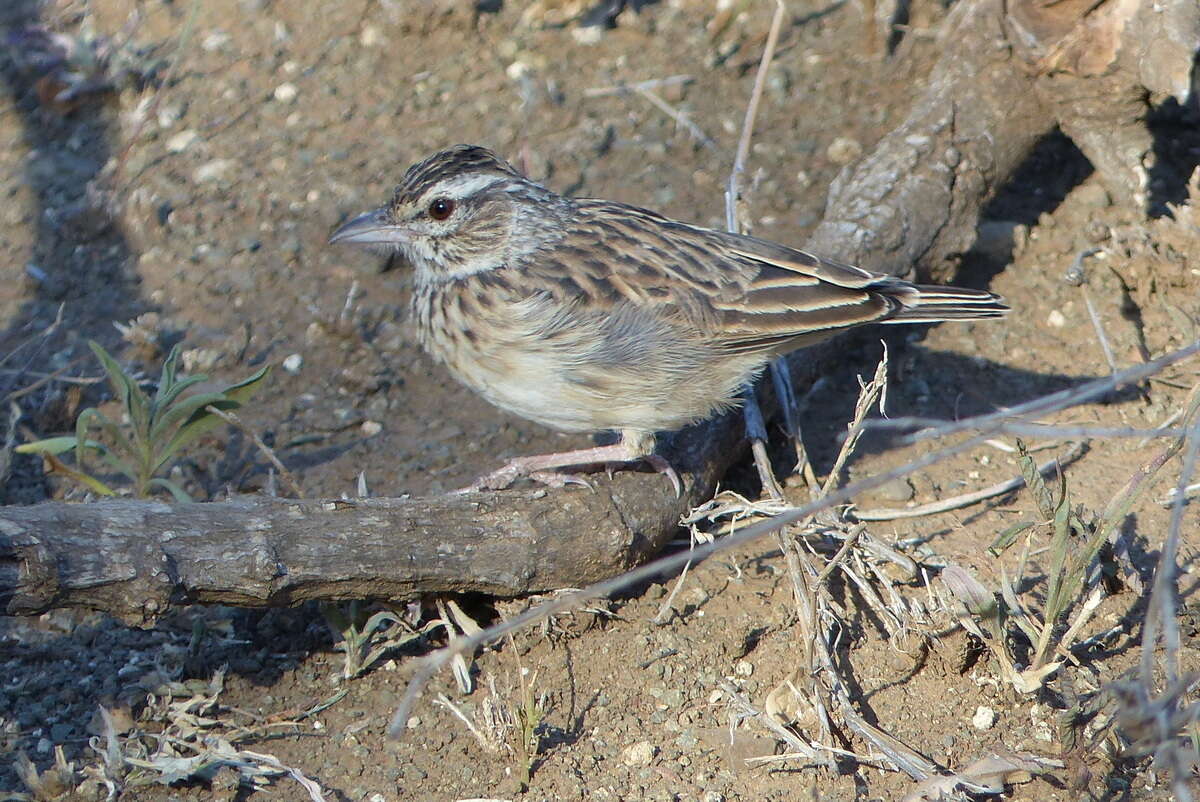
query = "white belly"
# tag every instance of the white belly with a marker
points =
(558, 366)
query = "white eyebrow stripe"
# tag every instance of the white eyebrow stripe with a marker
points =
(463, 186)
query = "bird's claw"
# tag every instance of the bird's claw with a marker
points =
(662, 466)
(556, 479)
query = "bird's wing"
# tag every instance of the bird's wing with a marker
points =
(741, 293)
(787, 298)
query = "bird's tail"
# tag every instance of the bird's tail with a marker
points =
(934, 303)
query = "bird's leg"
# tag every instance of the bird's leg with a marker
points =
(756, 433)
(785, 390)
(633, 447)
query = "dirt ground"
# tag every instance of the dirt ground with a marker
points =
(242, 132)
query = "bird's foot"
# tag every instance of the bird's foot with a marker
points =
(503, 478)
(543, 468)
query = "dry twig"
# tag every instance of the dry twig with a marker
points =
(233, 420)
(755, 429)
(967, 499)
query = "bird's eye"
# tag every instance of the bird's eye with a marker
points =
(441, 208)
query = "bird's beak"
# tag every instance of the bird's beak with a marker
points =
(371, 228)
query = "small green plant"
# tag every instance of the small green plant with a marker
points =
(502, 727)
(528, 721)
(1077, 539)
(157, 427)
(362, 638)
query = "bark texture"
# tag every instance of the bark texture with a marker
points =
(914, 202)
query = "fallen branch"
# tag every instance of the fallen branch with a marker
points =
(138, 559)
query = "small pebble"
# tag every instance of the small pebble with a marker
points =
(293, 363)
(590, 35)
(1056, 319)
(214, 170)
(286, 92)
(370, 428)
(170, 113)
(639, 754)
(984, 718)
(315, 333)
(370, 36)
(215, 41)
(517, 70)
(182, 141)
(743, 668)
(843, 150)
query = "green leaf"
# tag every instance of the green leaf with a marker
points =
(174, 489)
(84, 421)
(970, 591)
(202, 421)
(379, 619)
(51, 445)
(1017, 612)
(1008, 536)
(166, 398)
(166, 378)
(179, 413)
(1033, 479)
(135, 401)
(1058, 594)
(116, 377)
(244, 390)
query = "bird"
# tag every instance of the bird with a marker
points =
(589, 315)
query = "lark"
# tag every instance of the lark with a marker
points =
(589, 315)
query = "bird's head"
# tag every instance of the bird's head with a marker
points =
(461, 211)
